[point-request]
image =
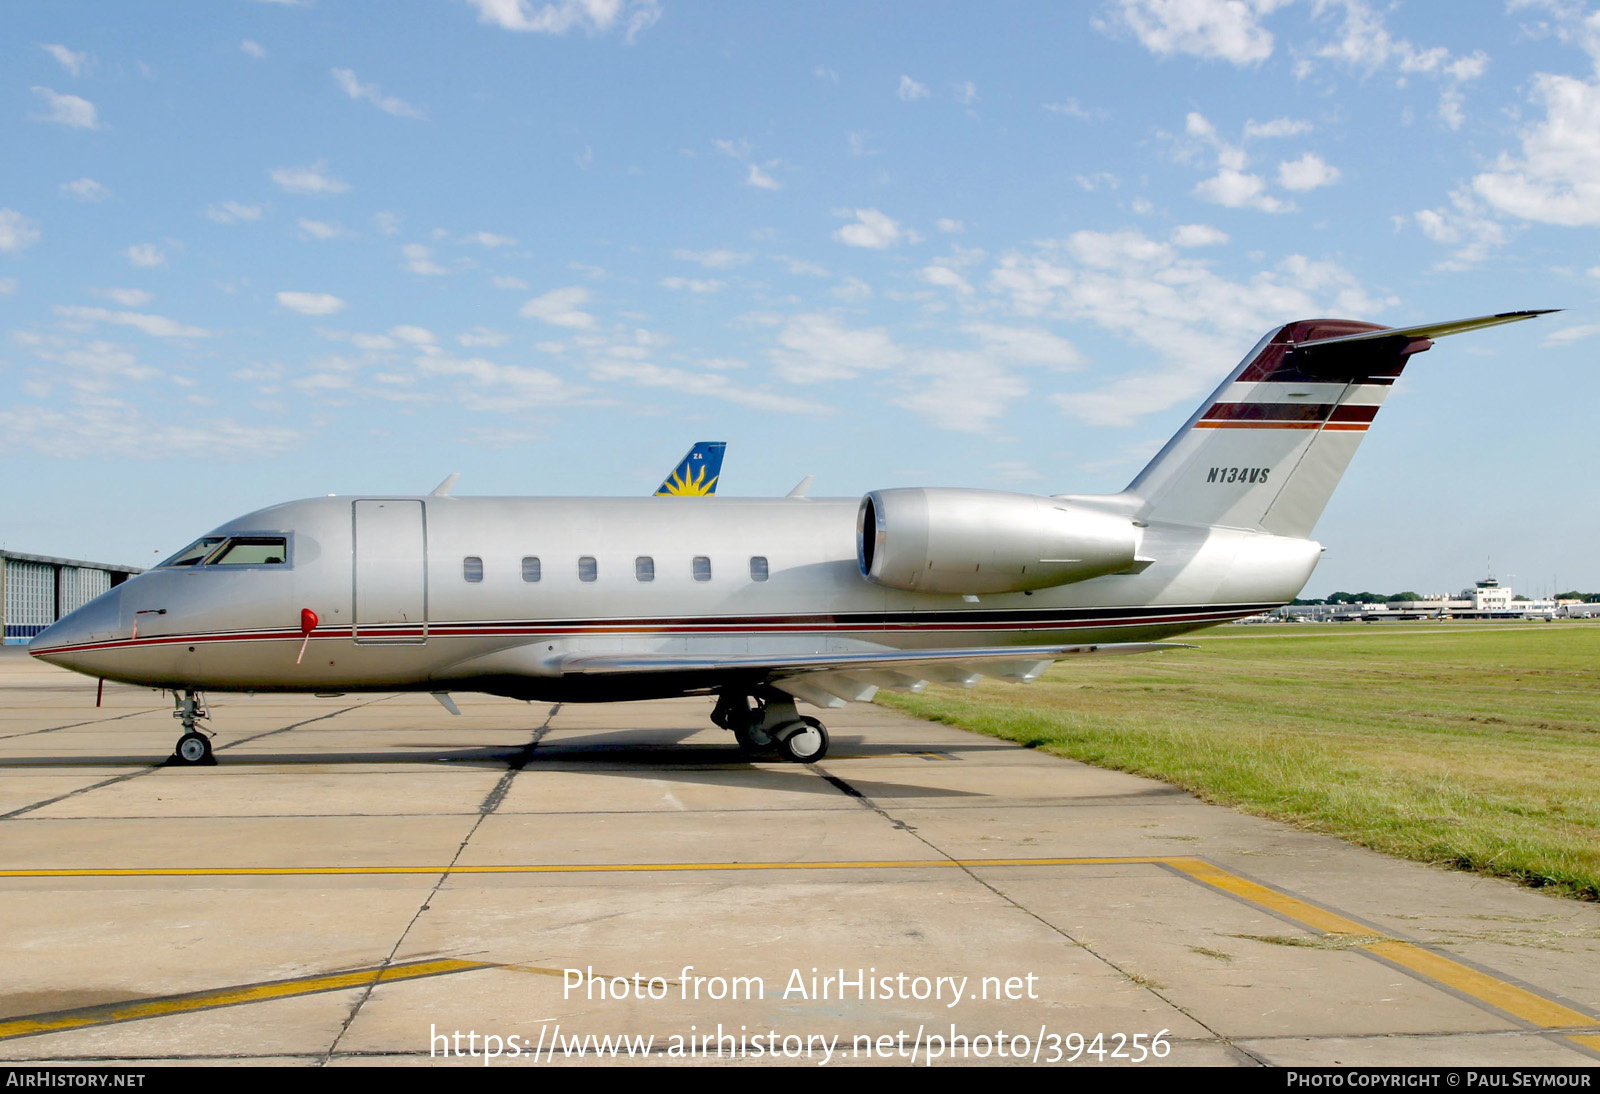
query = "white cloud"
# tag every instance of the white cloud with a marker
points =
(387, 223)
(910, 90)
(8, 285)
(693, 284)
(68, 110)
(561, 307)
(128, 298)
(945, 224)
(945, 277)
(1364, 42)
(1556, 179)
(419, 260)
(146, 255)
(1150, 293)
(490, 240)
(1238, 190)
(482, 336)
(699, 385)
(512, 387)
(1026, 345)
(714, 260)
(1232, 185)
(505, 281)
(559, 16)
(1278, 127)
(17, 232)
(1198, 235)
(874, 230)
(252, 48)
(1226, 30)
(321, 229)
(372, 94)
(311, 303)
(814, 348)
(761, 180)
(852, 290)
(85, 189)
(966, 93)
(311, 179)
(1306, 173)
(157, 326)
(417, 336)
(1568, 335)
(74, 63)
(230, 212)
(1465, 225)
(1072, 109)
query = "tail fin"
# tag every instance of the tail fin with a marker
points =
(1265, 451)
(697, 473)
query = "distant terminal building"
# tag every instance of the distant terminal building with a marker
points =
(1487, 599)
(37, 590)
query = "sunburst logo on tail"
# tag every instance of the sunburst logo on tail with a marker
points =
(683, 484)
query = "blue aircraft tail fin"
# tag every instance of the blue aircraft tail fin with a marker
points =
(697, 473)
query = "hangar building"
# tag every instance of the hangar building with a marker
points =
(36, 590)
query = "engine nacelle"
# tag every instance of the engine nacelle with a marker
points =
(986, 541)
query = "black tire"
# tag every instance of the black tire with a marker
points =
(193, 749)
(807, 744)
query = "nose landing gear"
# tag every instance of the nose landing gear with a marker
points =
(194, 747)
(766, 721)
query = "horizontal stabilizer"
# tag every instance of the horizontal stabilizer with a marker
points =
(1429, 330)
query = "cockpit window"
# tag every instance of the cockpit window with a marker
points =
(251, 551)
(195, 553)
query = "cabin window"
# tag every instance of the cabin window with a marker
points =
(587, 570)
(251, 551)
(758, 567)
(530, 567)
(472, 568)
(702, 568)
(644, 568)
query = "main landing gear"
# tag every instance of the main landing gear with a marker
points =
(767, 721)
(194, 747)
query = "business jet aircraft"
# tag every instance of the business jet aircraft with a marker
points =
(761, 601)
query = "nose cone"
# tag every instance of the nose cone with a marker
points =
(66, 641)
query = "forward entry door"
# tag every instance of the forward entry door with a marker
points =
(391, 572)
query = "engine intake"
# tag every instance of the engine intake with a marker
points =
(985, 541)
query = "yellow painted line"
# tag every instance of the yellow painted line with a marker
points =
(1480, 985)
(60, 1021)
(1510, 999)
(572, 868)
(1526, 1005)
(1289, 907)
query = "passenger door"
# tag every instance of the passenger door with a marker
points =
(391, 572)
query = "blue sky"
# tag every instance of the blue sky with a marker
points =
(257, 250)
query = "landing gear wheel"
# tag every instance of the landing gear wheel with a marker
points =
(806, 745)
(193, 749)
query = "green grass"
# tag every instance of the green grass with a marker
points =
(1475, 746)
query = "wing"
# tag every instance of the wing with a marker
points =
(832, 679)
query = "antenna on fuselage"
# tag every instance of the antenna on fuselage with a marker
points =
(443, 489)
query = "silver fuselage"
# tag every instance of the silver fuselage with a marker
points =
(395, 609)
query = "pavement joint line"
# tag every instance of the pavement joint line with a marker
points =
(189, 1002)
(149, 768)
(490, 803)
(996, 891)
(1477, 985)
(75, 725)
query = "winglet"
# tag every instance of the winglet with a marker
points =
(443, 489)
(802, 486)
